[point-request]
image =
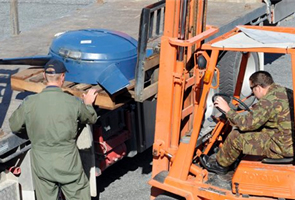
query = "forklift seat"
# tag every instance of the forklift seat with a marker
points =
(278, 160)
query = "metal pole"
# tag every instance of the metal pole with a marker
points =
(182, 22)
(14, 17)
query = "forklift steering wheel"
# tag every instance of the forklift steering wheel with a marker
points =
(228, 99)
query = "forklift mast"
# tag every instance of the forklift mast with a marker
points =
(178, 94)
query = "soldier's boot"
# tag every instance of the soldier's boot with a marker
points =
(213, 165)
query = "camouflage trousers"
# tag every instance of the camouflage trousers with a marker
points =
(250, 143)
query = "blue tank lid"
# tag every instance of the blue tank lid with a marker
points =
(94, 45)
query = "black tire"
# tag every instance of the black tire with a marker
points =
(169, 197)
(228, 65)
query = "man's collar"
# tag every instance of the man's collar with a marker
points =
(51, 86)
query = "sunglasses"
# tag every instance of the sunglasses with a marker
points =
(252, 87)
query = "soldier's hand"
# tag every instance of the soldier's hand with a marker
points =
(222, 104)
(90, 96)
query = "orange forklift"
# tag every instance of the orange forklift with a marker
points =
(188, 75)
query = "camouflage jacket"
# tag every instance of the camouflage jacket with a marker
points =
(271, 115)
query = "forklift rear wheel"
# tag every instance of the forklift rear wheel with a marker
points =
(228, 65)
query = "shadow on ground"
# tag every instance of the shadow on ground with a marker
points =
(119, 169)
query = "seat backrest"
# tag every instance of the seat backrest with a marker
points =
(277, 160)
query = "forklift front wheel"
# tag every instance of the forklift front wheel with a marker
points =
(167, 196)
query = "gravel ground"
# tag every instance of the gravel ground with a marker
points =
(127, 179)
(33, 14)
(280, 65)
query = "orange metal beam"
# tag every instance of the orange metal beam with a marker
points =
(165, 87)
(194, 40)
(208, 45)
(215, 134)
(241, 74)
(177, 103)
(183, 158)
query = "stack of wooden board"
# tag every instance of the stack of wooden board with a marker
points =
(32, 80)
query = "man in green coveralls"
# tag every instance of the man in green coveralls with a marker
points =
(265, 131)
(50, 119)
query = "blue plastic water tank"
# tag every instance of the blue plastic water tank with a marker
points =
(95, 56)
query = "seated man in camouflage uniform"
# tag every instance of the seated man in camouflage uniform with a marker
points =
(265, 131)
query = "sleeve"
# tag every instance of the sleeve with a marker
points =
(258, 116)
(17, 120)
(87, 114)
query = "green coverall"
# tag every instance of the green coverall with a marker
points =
(50, 119)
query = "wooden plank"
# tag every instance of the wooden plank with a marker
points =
(151, 62)
(68, 84)
(27, 73)
(81, 86)
(103, 100)
(37, 78)
(98, 88)
(32, 80)
(23, 85)
(150, 91)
